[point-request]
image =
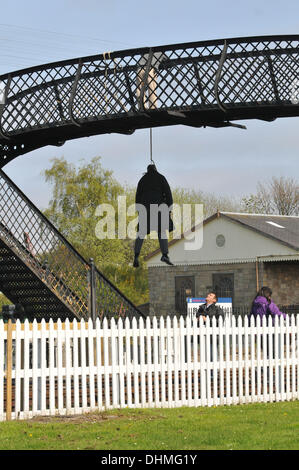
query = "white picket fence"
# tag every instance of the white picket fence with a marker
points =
(72, 368)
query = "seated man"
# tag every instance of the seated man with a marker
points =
(210, 308)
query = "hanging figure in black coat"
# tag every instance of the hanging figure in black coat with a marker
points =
(154, 195)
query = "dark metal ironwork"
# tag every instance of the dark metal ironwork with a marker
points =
(40, 270)
(73, 94)
(93, 292)
(5, 94)
(208, 83)
(218, 77)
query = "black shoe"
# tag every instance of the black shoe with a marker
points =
(166, 260)
(136, 262)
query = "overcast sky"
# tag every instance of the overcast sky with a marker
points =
(226, 161)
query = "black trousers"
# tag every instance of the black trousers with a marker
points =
(162, 240)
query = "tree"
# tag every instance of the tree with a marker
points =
(77, 192)
(3, 301)
(278, 196)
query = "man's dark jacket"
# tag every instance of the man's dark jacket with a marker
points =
(211, 310)
(153, 188)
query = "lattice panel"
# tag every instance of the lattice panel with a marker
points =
(36, 250)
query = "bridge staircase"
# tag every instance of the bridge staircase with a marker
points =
(42, 274)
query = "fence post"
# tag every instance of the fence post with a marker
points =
(9, 371)
(93, 298)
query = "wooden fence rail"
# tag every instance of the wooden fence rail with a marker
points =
(72, 368)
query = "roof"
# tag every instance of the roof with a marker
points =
(282, 228)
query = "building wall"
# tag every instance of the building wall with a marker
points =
(283, 279)
(162, 284)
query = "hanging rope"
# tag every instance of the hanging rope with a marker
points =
(151, 146)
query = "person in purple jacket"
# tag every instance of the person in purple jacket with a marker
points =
(263, 305)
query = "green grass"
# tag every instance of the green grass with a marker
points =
(255, 426)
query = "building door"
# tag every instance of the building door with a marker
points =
(184, 287)
(223, 285)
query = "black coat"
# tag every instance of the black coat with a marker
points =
(153, 188)
(212, 310)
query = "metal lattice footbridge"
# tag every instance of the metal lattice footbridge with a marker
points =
(209, 83)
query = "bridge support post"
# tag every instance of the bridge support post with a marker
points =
(93, 295)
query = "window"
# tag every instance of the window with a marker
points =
(220, 240)
(223, 285)
(184, 287)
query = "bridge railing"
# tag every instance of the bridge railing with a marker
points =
(33, 238)
(218, 74)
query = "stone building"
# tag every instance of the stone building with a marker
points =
(239, 254)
